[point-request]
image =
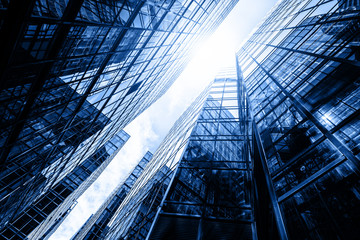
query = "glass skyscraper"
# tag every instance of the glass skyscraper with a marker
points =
(28, 172)
(97, 225)
(208, 190)
(270, 150)
(301, 72)
(42, 217)
(74, 73)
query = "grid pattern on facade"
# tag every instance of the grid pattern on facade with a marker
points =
(301, 71)
(137, 211)
(46, 213)
(209, 191)
(96, 226)
(211, 195)
(74, 73)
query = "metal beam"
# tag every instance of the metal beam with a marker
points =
(328, 58)
(273, 199)
(312, 178)
(306, 113)
(62, 31)
(12, 30)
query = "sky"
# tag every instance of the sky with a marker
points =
(148, 129)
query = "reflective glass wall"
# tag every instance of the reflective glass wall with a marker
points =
(74, 73)
(301, 72)
(96, 226)
(208, 193)
(42, 217)
(137, 212)
(211, 193)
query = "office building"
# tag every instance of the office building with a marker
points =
(301, 72)
(42, 217)
(28, 174)
(269, 151)
(97, 225)
(133, 221)
(210, 191)
(74, 73)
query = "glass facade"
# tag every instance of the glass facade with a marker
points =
(133, 219)
(96, 226)
(208, 192)
(27, 173)
(301, 71)
(269, 151)
(75, 72)
(211, 196)
(45, 214)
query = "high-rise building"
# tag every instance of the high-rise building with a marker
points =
(269, 151)
(27, 174)
(140, 216)
(301, 72)
(74, 73)
(97, 225)
(210, 192)
(42, 217)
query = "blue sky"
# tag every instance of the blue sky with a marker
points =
(148, 130)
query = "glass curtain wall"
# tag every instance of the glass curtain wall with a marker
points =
(137, 212)
(209, 191)
(40, 219)
(96, 226)
(301, 72)
(211, 195)
(75, 72)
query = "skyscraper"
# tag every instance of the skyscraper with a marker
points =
(269, 151)
(301, 71)
(42, 217)
(97, 225)
(74, 73)
(23, 179)
(210, 192)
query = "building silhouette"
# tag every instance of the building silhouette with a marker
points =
(74, 73)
